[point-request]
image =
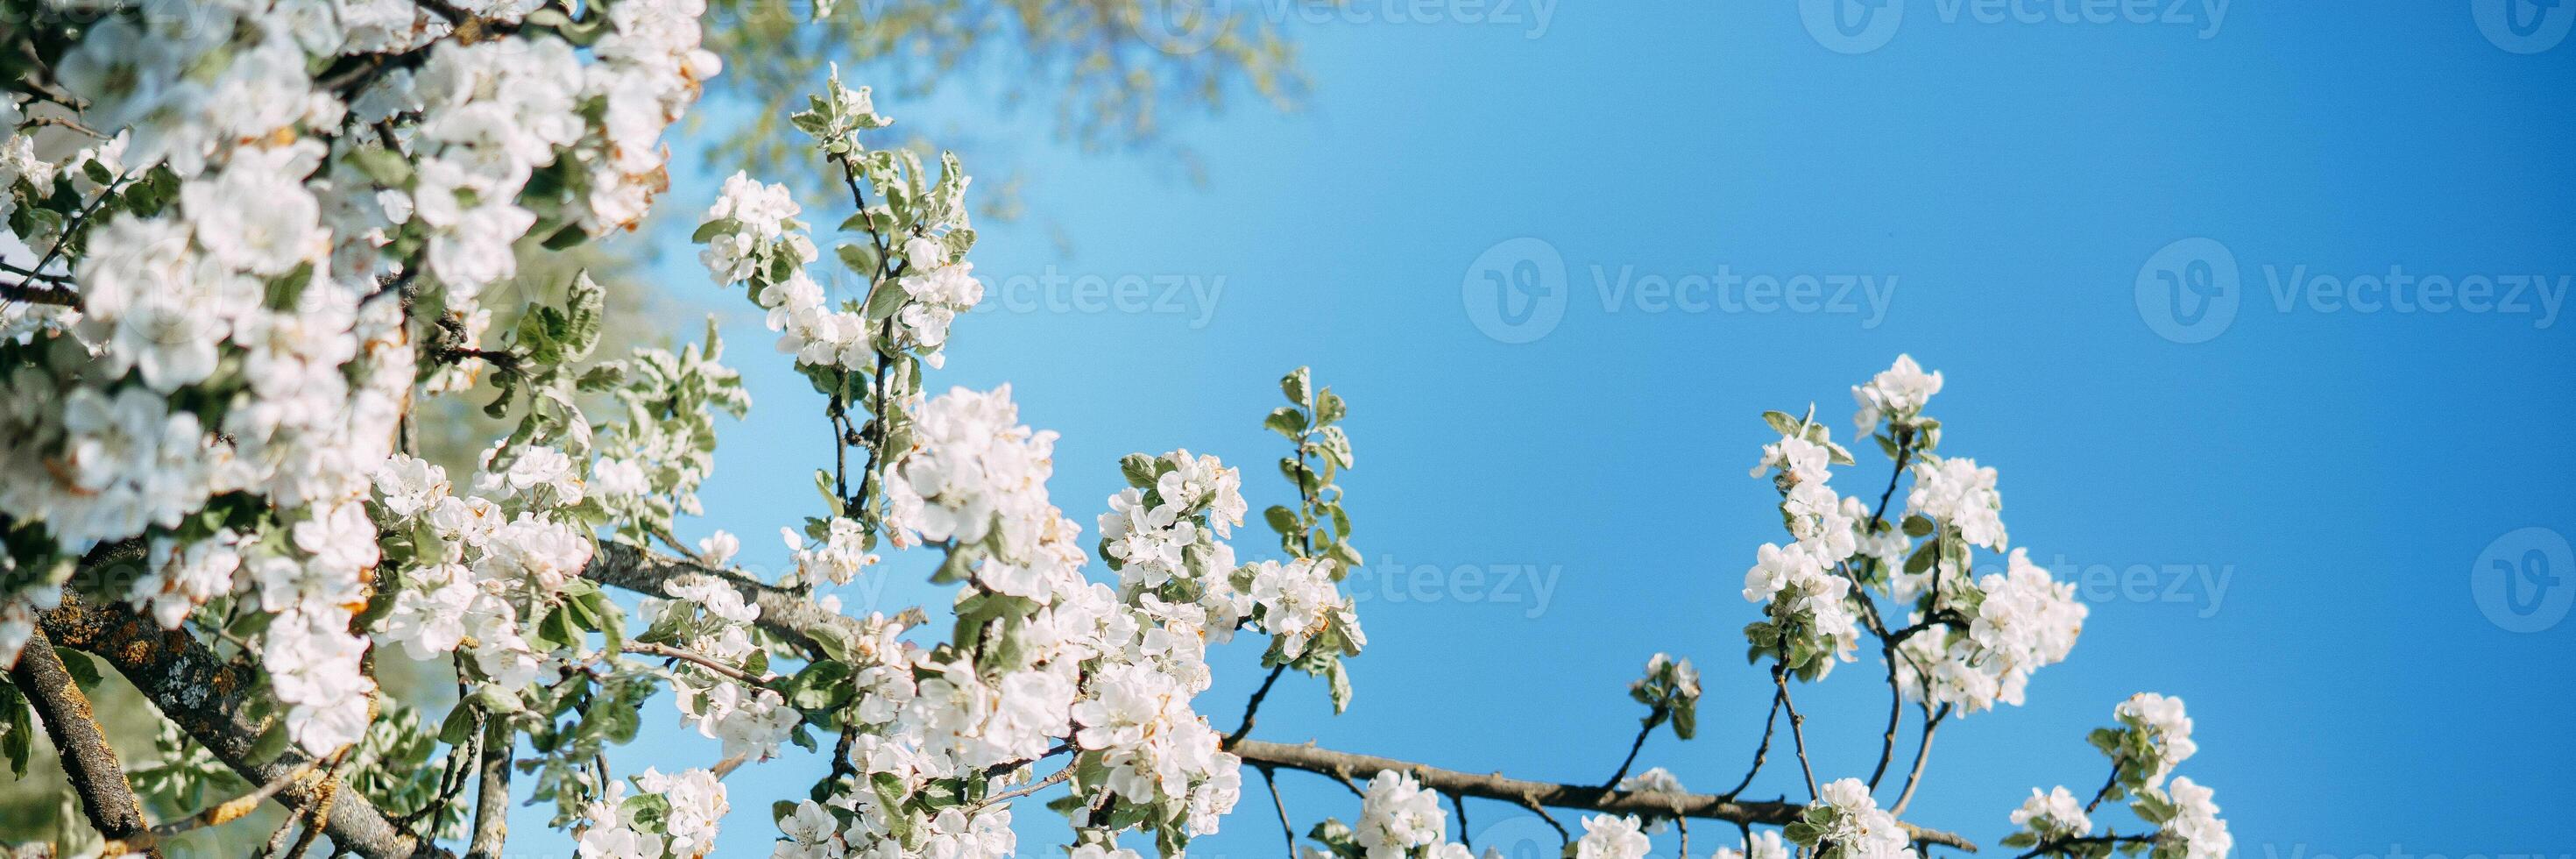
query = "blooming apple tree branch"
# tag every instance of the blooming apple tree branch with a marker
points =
(266, 232)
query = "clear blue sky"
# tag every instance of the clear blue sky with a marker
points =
(2340, 472)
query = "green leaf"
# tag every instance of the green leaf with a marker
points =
(885, 298)
(1781, 423)
(1340, 679)
(1329, 407)
(388, 168)
(571, 236)
(714, 228)
(459, 726)
(77, 664)
(17, 728)
(1288, 421)
(1923, 557)
(1296, 385)
(1281, 519)
(1138, 469)
(860, 258)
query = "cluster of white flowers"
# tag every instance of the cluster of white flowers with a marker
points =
(2053, 814)
(975, 476)
(1960, 495)
(837, 557)
(1846, 823)
(236, 367)
(1808, 604)
(1608, 836)
(752, 237)
(751, 721)
(1808, 596)
(1112, 677)
(2018, 621)
(1897, 394)
(1827, 524)
(2191, 826)
(2155, 736)
(1165, 539)
(482, 568)
(674, 815)
(1400, 820)
(935, 292)
(1298, 601)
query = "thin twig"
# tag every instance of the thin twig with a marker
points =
(1797, 726)
(231, 809)
(1460, 803)
(1895, 716)
(698, 659)
(1051, 780)
(1586, 798)
(1253, 707)
(1922, 752)
(1651, 721)
(1761, 752)
(1286, 830)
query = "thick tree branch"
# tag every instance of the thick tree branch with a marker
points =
(206, 696)
(492, 791)
(88, 761)
(1345, 765)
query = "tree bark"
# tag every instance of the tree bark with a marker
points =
(205, 697)
(88, 761)
(492, 790)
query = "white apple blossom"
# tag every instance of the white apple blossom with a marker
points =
(1958, 494)
(2194, 830)
(2158, 736)
(1896, 394)
(1607, 836)
(1398, 816)
(1849, 824)
(2054, 814)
